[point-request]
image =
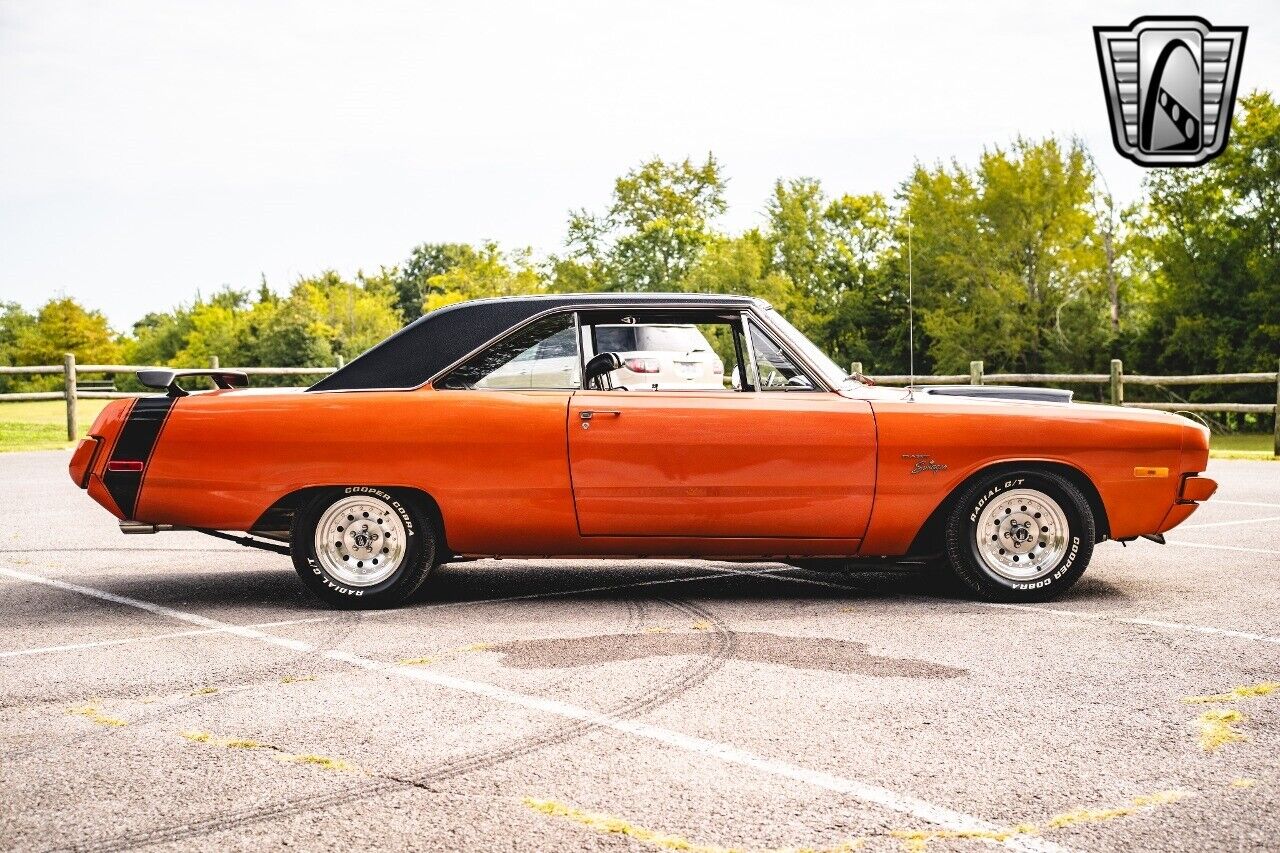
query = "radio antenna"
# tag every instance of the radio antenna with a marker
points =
(911, 316)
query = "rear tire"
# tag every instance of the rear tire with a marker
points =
(363, 547)
(1020, 536)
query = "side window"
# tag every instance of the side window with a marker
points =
(543, 354)
(667, 353)
(773, 366)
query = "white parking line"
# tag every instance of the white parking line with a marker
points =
(1136, 620)
(866, 793)
(1228, 523)
(76, 647)
(1271, 552)
(1245, 503)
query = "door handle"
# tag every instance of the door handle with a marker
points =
(588, 414)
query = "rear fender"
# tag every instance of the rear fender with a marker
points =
(277, 520)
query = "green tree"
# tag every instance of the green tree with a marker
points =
(323, 316)
(13, 320)
(740, 265)
(1009, 266)
(63, 326)
(60, 326)
(839, 254)
(189, 335)
(288, 333)
(1211, 242)
(798, 238)
(424, 263)
(654, 230)
(483, 273)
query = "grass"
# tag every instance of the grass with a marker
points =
(42, 424)
(1242, 445)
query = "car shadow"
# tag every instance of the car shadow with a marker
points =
(609, 580)
(277, 593)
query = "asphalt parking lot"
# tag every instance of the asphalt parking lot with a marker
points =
(179, 692)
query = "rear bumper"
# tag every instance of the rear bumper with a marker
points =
(82, 460)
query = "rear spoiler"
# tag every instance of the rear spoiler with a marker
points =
(166, 379)
(1001, 392)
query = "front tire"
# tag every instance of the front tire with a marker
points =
(1020, 536)
(363, 547)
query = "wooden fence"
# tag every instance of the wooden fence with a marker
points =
(1116, 379)
(70, 372)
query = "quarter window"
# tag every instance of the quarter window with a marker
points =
(775, 369)
(543, 354)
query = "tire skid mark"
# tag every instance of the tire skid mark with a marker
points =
(425, 607)
(720, 643)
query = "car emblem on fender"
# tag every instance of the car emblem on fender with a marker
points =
(924, 462)
(1170, 84)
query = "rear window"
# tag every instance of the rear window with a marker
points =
(616, 338)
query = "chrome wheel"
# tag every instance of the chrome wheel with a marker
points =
(1022, 535)
(360, 541)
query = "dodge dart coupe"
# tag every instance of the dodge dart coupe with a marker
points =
(414, 455)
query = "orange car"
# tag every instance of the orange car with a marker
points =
(406, 458)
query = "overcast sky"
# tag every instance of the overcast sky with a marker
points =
(150, 150)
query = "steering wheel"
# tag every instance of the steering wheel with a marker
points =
(773, 379)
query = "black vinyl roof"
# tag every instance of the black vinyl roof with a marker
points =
(436, 340)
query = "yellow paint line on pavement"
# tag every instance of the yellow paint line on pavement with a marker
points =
(617, 826)
(324, 762)
(1249, 691)
(94, 714)
(1218, 728)
(918, 840)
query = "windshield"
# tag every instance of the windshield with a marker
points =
(832, 371)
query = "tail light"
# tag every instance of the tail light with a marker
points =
(643, 365)
(123, 466)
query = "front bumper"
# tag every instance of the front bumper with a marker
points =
(1191, 492)
(1195, 488)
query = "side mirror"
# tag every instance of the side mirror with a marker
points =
(599, 367)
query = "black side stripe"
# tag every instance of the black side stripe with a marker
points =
(136, 442)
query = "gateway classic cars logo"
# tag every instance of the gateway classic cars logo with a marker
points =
(1170, 84)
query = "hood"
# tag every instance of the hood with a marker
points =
(1000, 392)
(1008, 398)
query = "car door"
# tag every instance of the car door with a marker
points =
(721, 464)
